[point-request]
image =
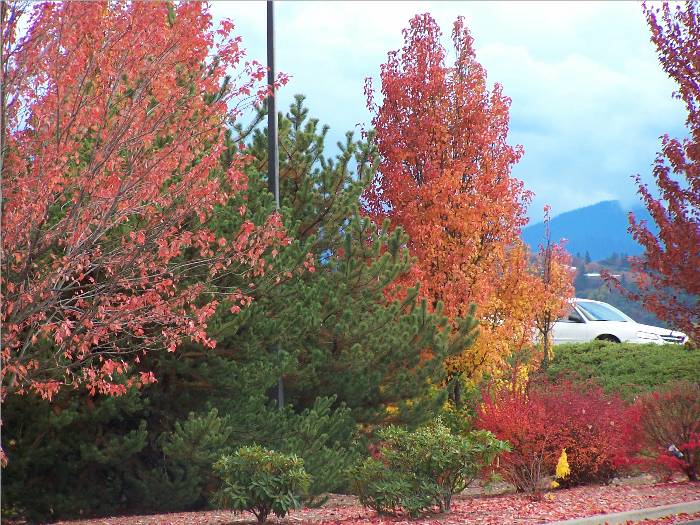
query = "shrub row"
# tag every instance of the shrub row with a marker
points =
(574, 430)
(601, 434)
(596, 430)
(411, 472)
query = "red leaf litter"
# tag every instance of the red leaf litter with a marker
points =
(494, 510)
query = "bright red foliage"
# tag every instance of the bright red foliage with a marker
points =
(668, 273)
(444, 177)
(672, 417)
(113, 124)
(597, 431)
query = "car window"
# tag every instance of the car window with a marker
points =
(600, 312)
(571, 316)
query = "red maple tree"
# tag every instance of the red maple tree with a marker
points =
(668, 273)
(113, 120)
(445, 178)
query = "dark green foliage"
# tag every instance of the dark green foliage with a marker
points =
(421, 469)
(261, 481)
(322, 438)
(321, 435)
(80, 456)
(184, 477)
(386, 491)
(628, 369)
(336, 332)
(98, 458)
(71, 457)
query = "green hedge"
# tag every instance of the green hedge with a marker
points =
(626, 368)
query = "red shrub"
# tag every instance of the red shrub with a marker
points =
(598, 432)
(672, 417)
(522, 421)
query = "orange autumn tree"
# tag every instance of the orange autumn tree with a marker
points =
(113, 120)
(510, 323)
(445, 178)
(668, 273)
(553, 287)
(532, 294)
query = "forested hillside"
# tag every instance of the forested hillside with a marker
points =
(599, 230)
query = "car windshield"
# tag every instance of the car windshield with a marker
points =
(601, 312)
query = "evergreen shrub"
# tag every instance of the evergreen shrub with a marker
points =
(416, 471)
(261, 481)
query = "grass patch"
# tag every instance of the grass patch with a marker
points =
(625, 368)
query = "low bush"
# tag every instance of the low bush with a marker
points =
(627, 369)
(388, 491)
(671, 418)
(597, 431)
(261, 481)
(415, 471)
(523, 421)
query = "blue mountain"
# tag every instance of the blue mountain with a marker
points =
(600, 230)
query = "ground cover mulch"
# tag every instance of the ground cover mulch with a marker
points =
(513, 509)
(670, 520)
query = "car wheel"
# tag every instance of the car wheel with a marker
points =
(608, 337)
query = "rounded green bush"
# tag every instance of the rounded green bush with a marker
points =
(261, 481)
(421, 469)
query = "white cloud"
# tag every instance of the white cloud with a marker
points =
(589, 98)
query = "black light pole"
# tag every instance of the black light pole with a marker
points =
(273, 163)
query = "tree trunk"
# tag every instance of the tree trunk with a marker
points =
(456, 393)
(545, 357)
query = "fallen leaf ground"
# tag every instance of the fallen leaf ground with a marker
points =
(494, 510)
(678, 518)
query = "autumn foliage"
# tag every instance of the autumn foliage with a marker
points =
(597, 431)
(113, 124)
(553, 288)
(445, 178)
(671, 416)
(668, 273)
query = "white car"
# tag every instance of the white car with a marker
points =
(588, 320)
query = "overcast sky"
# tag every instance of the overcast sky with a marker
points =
(589, 99)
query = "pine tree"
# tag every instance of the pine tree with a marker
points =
(72, 457)
(335, 326)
